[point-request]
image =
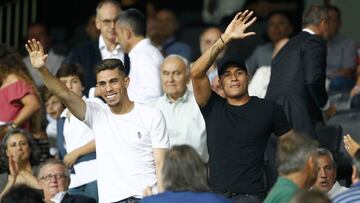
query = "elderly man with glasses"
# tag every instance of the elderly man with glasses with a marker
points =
(54, 181)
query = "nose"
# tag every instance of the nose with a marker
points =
(322, 173)
(68, 85)
(108, 87)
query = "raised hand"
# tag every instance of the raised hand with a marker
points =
(36, 53)
(237, 27)
(350, 145)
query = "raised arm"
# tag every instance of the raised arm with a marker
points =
(37, 57)
(235, 30)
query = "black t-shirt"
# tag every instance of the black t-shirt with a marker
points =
(236, 139)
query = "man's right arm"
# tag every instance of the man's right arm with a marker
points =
(235, 30)
(72, 101)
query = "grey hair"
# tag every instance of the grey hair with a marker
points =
(102, 3)
(324, 152)
(314, 15)
(293, 152)
(184, 60)
(53, 162)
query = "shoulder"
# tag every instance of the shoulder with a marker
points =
(147, 110)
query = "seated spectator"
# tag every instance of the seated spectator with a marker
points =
(279, 26)
(341, 54)
(326, 180)
(168, 25)
(54, 108)
(183, 179)
(297, 167)
(183, 118)
(353, 194)
(19, 96)
(54, 180)
(20, 154)
(312, 196)
(39, 32)
(22, 194)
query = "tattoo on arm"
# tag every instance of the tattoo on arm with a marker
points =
(213, 54)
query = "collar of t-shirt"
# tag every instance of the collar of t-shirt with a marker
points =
(58, 197)
(105, 53)
(181, 99)
(139, 46)
(308, 30)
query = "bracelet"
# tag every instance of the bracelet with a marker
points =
(222, 41)
(13, 125)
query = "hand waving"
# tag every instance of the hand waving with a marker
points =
(36, 53)
(236, 28)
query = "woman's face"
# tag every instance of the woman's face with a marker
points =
(17, 147)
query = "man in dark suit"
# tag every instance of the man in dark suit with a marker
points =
(297, 79)
(91, 53)
(54, 181)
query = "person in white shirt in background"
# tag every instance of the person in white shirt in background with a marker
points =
(326, 180)
(183, 118)
(144, 58)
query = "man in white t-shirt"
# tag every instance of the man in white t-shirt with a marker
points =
(131, 138)
(144, 60)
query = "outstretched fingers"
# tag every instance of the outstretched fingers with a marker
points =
(248, 24)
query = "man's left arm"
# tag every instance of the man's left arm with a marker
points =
(314, 63)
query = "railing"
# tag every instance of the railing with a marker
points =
(15, 16)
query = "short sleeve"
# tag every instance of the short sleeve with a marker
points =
(91, 110)
(158, 133)
(19, 90)
(280, 123)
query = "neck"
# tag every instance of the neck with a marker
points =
(299, 178)
(124, 107)
(315, 29)
(238, 101)
(133, 42)
(110, 44)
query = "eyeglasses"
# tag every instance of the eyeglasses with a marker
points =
(108, 22)
(56, 176)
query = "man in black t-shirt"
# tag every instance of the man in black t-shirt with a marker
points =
(238, 126)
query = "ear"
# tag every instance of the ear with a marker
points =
(97, 23)
(354, 177)
(126, 81)
(128, 33)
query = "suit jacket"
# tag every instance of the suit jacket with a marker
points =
(297, 81)
(77, 199)
(87, 55)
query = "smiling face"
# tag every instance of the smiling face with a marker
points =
(112, 86)
(234, 81)
(174, 77)
(17, 148)
(105, 21)
(54, 107)
(326, 175)
(53, 180)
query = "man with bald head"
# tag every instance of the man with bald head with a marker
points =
(182, 114)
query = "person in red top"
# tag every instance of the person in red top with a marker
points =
(19, 98)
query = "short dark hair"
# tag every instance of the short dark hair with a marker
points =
(67, 70)
(293, 152)
(22, 194)
(110, 64)
(135, 19)
(183, 170)
(314, 15)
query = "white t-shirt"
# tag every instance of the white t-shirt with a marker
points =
(145, 61)
(124, 147)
